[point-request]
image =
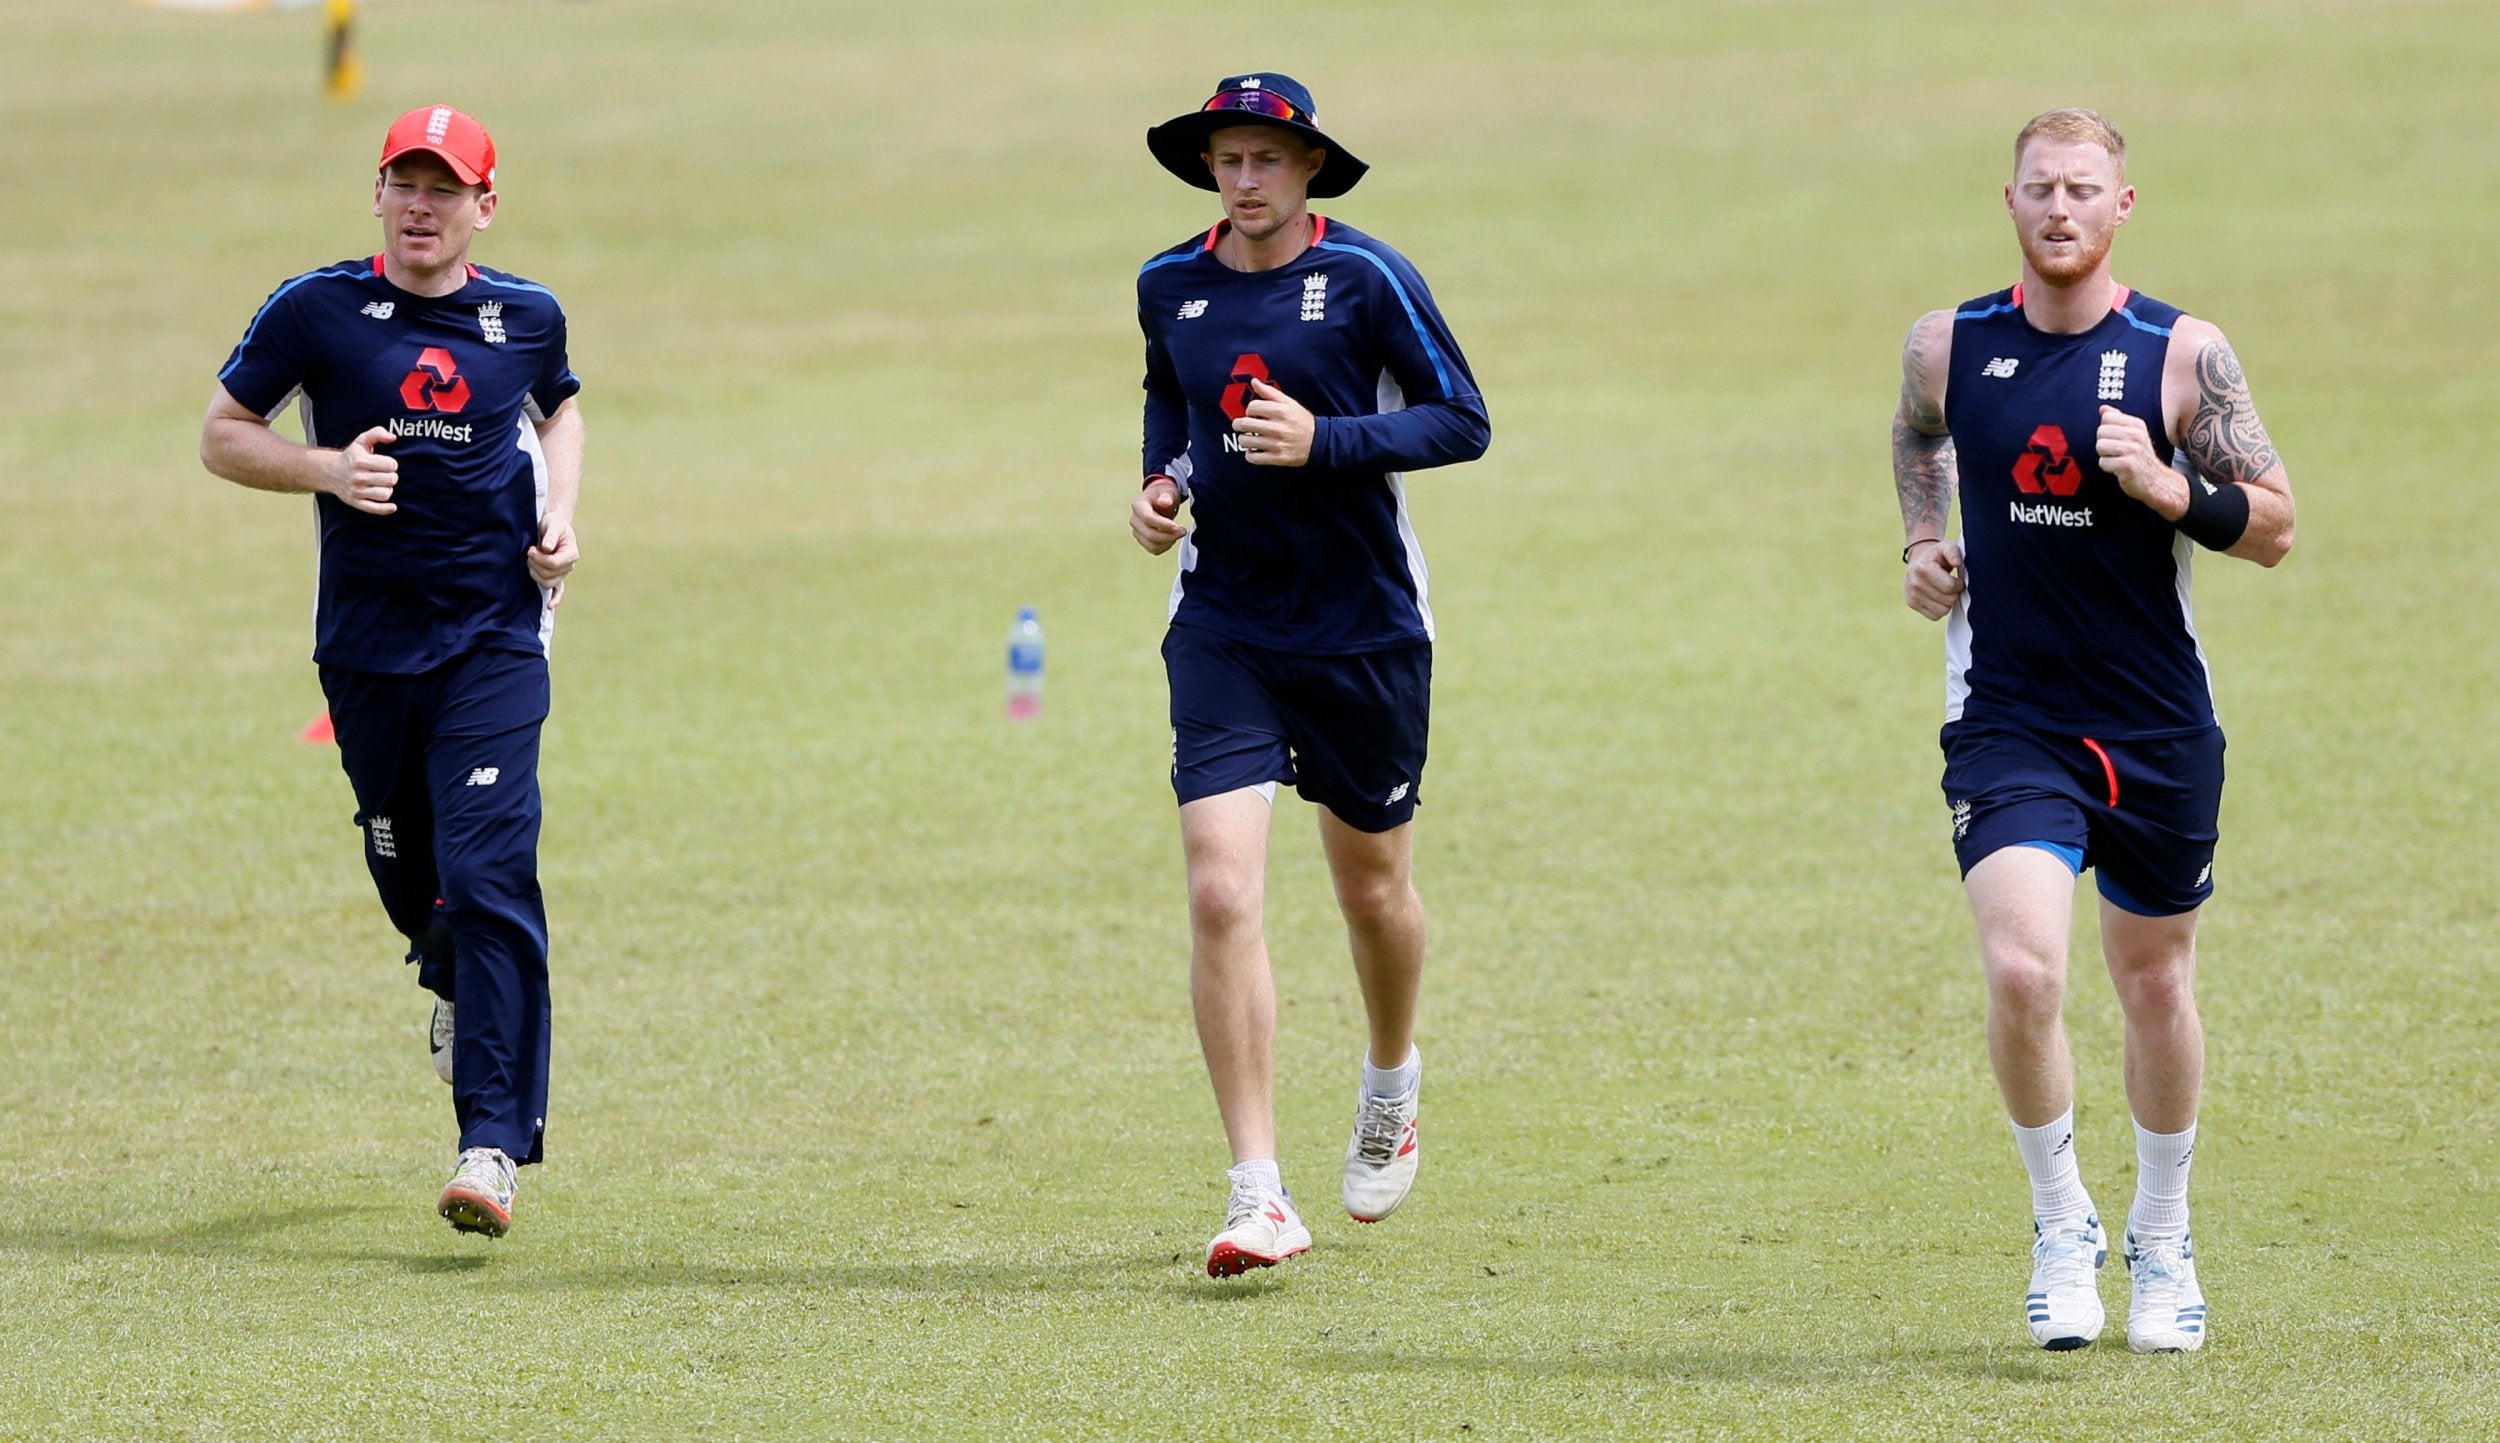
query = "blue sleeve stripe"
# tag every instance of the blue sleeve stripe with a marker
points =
(254, 328)
(517, 285)
(2142, 325)
(1167, 261)
(1996, 310)
(1439, 372)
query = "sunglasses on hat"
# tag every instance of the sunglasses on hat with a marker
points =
(1259, 102)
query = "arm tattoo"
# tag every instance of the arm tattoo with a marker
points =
(1922, 477)
(1922, 453)
(2225, 439)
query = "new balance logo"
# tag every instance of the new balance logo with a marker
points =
(483, 777)
(2205, 875)
(2113, 376)
(2063, 1143)
(1396, 795)
(2002, 367)
(1409, 1145)
(490, 322)
(1275, 1211)
(1192, 310)
(2210, 488)
(380, 310)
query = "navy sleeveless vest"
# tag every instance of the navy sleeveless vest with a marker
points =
(2077, 619)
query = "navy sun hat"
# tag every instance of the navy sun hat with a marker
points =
(1265, 98)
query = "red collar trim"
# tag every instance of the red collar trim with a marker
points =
(470, 268)
(1215, 232)
(2117, 303)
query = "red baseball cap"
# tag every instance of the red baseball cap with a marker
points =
(463, 144)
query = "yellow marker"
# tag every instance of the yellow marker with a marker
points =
(347, 69)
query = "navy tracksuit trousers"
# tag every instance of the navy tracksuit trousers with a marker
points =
(445, 769)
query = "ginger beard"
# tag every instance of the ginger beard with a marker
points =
(2061, 264)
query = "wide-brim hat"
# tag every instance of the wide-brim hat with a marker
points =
(1264, 98)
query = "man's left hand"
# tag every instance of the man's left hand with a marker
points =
(1275, 429)
(2126, 452)
(552, 559)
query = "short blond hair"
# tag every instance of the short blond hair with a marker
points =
(2073, 126)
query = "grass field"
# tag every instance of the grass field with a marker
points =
(878, 1110)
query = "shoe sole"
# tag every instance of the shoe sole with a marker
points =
(1226, 1260)
(1375, 1217)
(469, 1213)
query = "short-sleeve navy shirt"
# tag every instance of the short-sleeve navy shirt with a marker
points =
(459, 381)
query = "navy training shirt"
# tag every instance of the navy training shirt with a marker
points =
(2077, 618)
(1320, 558)
(459, 380)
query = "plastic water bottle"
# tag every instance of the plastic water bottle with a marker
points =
(1024, 666)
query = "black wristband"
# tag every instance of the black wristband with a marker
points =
(2217, 516)
(1922, 541)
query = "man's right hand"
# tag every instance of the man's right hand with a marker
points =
(365, 478)
(1150, 517)
(1934, 581)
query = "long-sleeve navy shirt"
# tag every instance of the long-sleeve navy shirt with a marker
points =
(1320, 558)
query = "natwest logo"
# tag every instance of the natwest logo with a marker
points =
(1236, 399)
(435, 384)
(2046, 465)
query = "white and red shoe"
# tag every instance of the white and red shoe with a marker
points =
(1382, 1156)
(478, 1199)
(1261, 1229)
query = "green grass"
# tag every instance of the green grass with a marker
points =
(878, 1112)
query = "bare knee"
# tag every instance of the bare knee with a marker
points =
(2153, 990)
(2027, 981)
(1225, 902)
(1376, 898)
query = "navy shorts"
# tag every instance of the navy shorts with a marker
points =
(2144, 813)
(1346, 731)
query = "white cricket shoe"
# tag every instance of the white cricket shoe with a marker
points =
(1381, 1157)
(478, 1199)
(2167, 1314)
(1261, 1229)
(438, 1036)
(2065, 1299)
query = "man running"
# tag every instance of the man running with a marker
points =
(2097, 437)
(443, 448)
(1295, 368)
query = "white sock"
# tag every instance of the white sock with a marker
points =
(1392, 1081)
(2161, 1181)
(1260, 1170)
(2049, 1156)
